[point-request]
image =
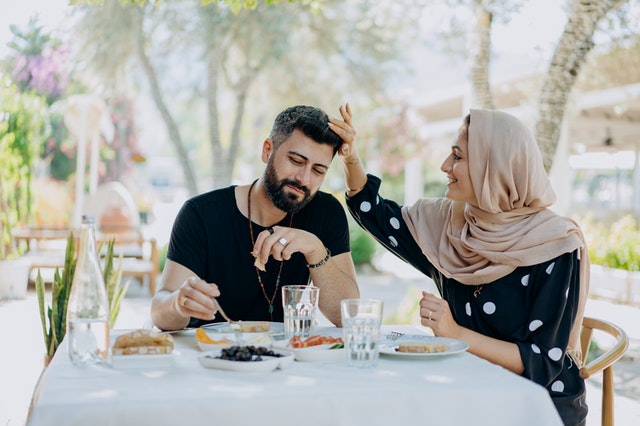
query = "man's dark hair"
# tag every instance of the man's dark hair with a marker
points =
(311, 121)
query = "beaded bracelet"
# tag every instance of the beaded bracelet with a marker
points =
(322, 262)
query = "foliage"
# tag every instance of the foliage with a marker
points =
(22, 127)
(40, 62)
(234, 5)
(363, 246)
(409, 310)
(228, 68)
(54, 317)
(58, 152)
(615, 246)
(124, 146)
(162, 257)
(113, 282)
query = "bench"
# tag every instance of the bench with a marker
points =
(140, 257)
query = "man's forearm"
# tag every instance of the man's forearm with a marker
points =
(337, 281)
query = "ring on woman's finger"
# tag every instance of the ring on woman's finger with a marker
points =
(283, 241)
(183, 300)
(429, 315)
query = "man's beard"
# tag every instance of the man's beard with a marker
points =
(277, 195)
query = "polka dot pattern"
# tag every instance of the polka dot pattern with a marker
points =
(557, 386)
(550, 268)
(540, 354)
(489, 308)
(555, 354)
(395, 223)
(534, 325)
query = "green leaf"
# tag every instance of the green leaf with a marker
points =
(43, 318)
(115, 304)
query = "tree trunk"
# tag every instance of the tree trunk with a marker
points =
(218, 156)
(234, 145)
(570, 54)
(480, 53)
(156, 93)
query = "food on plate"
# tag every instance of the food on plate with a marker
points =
(258, 263)
(315, 340)
(259, 339)
(421, 347)
(143, 342)
(254, 326)
(246, 353)
(203, 337)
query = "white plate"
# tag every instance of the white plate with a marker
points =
(454, 346)
(142, 361)
(223, 327)
(267, 363)
(319, 353)
(255, 339)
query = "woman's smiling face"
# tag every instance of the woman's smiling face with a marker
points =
(456, 167)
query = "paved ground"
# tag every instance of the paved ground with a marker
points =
(21, 357)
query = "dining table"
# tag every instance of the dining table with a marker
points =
(452, 388)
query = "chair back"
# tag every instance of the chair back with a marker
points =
(605, 361)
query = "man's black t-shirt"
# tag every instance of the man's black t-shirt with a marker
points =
(211, 237)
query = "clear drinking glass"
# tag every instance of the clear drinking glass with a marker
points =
(361, 320)
(300, 304)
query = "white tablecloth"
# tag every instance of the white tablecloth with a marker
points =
(459, 389)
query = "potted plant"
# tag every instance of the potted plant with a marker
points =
(22, 129)
(54, 316)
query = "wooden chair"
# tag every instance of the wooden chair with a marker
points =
(604, 362)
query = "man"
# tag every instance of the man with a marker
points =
(241, 244)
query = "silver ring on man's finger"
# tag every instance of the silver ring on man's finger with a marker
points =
(429, 315)
(283, 241)
(183, 300)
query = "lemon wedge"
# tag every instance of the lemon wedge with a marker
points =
(203, 337)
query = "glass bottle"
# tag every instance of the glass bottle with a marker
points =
(88, 308)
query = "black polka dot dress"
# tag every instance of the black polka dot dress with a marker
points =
(533, 307)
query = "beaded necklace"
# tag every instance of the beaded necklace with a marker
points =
(271, 299)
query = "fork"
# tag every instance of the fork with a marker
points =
(394, 335)
(235, 325)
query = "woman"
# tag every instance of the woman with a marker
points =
(512, 275)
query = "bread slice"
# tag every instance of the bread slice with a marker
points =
(258, 263)
(254, 326)
(143, 350)
(421, 347)
(143, 342)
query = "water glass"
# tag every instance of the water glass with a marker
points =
(361, 319)
(300, 303)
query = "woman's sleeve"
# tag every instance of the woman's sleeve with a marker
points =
(543, 342)
(382, 219)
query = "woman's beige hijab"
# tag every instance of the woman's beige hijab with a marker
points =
(511, 226)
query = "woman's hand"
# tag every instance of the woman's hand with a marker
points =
(435, 313)
(354, 173)
(345, 130)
